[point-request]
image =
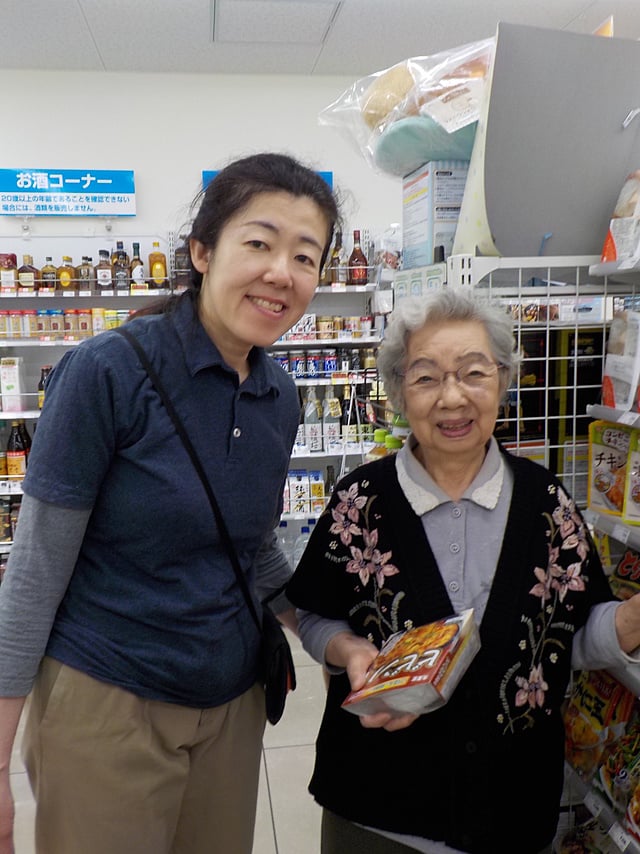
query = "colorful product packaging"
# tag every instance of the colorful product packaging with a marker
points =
(608, 455)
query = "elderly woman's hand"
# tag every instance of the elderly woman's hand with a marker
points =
(628, 623)
(355, 654)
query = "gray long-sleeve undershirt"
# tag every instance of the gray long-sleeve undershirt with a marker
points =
(46, 545)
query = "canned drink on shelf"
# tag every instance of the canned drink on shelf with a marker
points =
(366, 326)
(29, 323)
(110, 318)
(313, 363)
(56, 321)
(283, 360)
(325, 327)
(43, 321)
(85, 317)
(15, 323)
(329, 361)
(299, 363)
(98, 321)
(70, 321)
(352, 327)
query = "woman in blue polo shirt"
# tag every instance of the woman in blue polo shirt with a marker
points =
(120, 606)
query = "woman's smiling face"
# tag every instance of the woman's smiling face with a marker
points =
(262, 274)
(452, 421)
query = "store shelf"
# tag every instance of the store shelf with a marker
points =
(616, 268)
(10, 487)
(351, 451)
(603, 812)
(615, 416)
(75, 294)
(333, 343)
(17, 414)
(6, 343)
(347, 289)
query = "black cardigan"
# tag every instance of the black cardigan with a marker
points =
(484, 773)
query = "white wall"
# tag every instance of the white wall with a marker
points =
(167, 128)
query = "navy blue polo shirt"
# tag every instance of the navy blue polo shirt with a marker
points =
(153, 605)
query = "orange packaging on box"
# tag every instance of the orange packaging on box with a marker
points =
(417, 670)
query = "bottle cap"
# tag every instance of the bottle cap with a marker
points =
(393, 443)
(380, 434)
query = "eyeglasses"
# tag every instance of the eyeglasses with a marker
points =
(473, 377)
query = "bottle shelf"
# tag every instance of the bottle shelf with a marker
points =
(352, 449)
(339, 378)
(74, 294)
(332, 343)
(17, 414)
(6, 343)
(341, 288)
(11, 487)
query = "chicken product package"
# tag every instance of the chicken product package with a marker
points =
(417, 670)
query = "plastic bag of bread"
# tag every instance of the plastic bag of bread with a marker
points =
(421, 109)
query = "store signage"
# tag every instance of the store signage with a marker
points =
(209, 175)
(67, 192)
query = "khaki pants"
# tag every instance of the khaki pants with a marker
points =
(115, 774)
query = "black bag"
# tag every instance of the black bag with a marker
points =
(277, 671)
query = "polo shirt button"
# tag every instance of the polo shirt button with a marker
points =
(237, 432)
(454, 548)
(454, 586)
(457, 512)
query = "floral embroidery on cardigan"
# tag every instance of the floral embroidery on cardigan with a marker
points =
(352, 522)
(568, 549)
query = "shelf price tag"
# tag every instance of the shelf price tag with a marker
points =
(593, 803)
(620, 533)
(629, 418)
(619, 836)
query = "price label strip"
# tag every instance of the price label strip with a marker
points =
(620, 836)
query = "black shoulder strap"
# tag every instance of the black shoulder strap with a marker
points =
(186, 441)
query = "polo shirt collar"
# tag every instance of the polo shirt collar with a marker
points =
(424, 494)
(201, 353)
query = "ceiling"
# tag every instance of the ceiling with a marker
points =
(321, 37)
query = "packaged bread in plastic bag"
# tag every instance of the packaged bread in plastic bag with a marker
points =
(421, 109)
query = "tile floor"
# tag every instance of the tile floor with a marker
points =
(288, 820)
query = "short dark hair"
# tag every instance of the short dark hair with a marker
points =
(233, 188)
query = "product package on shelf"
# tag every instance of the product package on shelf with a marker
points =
(299, 490)
(598, 711)
(622, 242)
(608, 456)
(417, 670)
(631, 504)
(12, 384)
(622, 362)
(625, 578)
(431, 199)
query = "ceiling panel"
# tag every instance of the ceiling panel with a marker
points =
(286, 35)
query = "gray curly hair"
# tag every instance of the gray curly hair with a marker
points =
(412, 313)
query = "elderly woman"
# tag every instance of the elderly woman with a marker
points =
(452, 522)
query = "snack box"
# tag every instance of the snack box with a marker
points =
(12, 386)
(608, 453)
(625, 578)
(417, 670)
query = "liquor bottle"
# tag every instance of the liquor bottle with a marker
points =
(338, 262)
(182, 264)
(116, 252)
(16, 453)
(312, 421)
(48, 274)
(330, 481)
(28, 275)
(136, 270)
(331, 422)
(365, 410)
(157, 267)
(104, 272)
(26, 437)
(357, 267)
(45, 370)
(300, 444)
(85, 274)
(66, 273)
(349, 424)
(121, 272)
(8, 271)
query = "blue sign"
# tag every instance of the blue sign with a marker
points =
(208, 176)
(67, 192)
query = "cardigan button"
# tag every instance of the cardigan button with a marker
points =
(471, 747)
(237, 432)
